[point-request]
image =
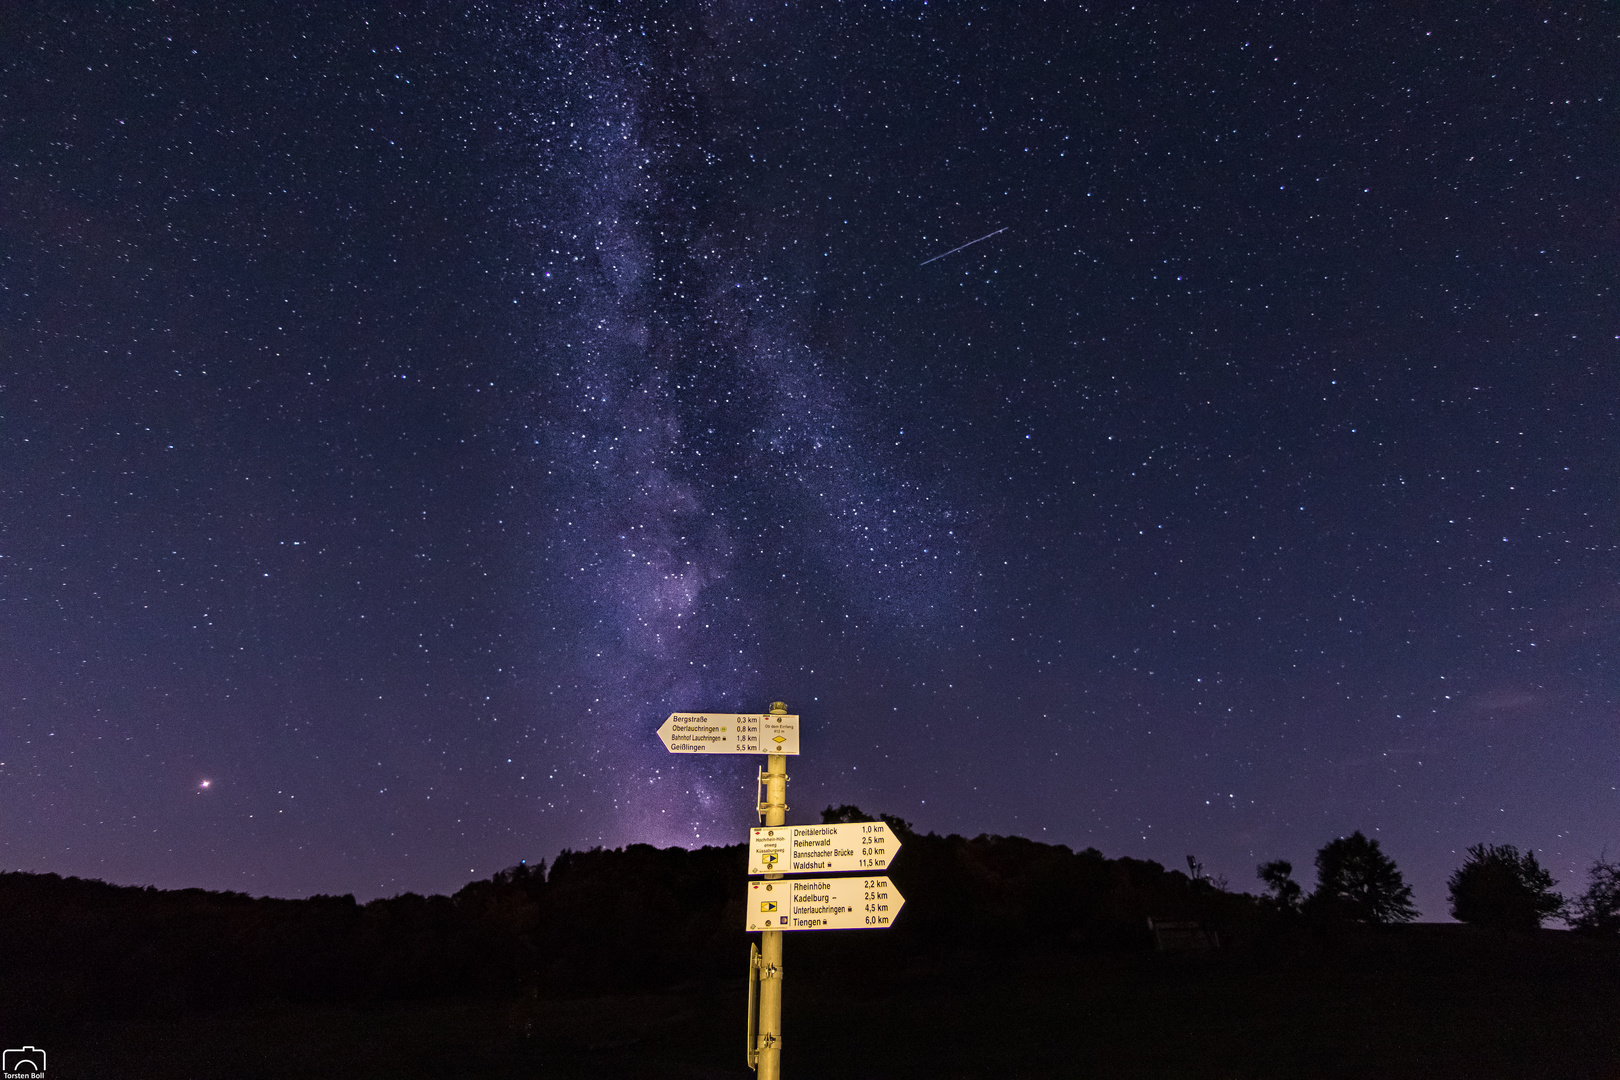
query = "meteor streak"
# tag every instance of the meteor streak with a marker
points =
(969, 244)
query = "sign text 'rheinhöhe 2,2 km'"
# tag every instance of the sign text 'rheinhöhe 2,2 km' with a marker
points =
(840, 903)
(730, 733)
(865, 846)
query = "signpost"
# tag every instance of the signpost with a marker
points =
(776, 904)
(765, 1028)
(831, 903)
(855, 847)
(730, 733)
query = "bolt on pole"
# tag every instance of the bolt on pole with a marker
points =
(766, 1053)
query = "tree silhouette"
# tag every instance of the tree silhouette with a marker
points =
(1501, 888)
(1283, 891)
(1356, 880)
(1597, 910)
(842, 815)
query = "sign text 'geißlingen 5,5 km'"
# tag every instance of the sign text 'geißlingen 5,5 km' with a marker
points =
(847, 903)
(821, 849)
(730, 733)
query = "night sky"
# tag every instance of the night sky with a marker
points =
(402, 413)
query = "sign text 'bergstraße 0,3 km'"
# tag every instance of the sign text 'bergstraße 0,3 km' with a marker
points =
(730, 733)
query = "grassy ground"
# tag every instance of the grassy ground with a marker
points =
(1424, 1001)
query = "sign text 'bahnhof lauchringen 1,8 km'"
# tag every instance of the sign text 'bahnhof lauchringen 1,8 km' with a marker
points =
(837, 903)
(850, 847)
(730, 733)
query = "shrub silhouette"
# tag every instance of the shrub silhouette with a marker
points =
(1283, 892)
(1597, 910)
(1501, 888)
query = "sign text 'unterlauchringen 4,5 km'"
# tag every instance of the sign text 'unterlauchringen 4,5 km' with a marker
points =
(839, 903)
(856, 846)
(730, 733)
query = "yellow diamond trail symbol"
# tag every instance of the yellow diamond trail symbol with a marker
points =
(767, 905)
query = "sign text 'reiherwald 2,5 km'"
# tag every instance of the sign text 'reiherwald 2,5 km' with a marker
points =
(856, 846)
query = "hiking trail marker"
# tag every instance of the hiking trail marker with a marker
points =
(863, 847)
(831, 903)
(775, 904)
(730, 733)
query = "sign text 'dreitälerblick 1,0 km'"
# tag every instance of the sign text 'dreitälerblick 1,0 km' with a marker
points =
(840, 903)
(856, 846)
(730, 733)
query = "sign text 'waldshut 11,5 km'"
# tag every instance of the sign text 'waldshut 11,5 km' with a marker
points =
(730, 733)
(865, 846)
(839, 903)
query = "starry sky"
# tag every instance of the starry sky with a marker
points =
(402, 411)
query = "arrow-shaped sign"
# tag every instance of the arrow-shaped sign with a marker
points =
(840, 903)
(730, 733)
(865, 846)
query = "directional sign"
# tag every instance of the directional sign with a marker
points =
(730, 733)
(840, 903)
(821, 849)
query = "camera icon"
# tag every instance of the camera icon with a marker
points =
(24, 1059)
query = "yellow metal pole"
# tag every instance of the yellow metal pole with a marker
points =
(768, 1049)
(753, 1006)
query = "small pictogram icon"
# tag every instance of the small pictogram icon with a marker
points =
(24, 1061)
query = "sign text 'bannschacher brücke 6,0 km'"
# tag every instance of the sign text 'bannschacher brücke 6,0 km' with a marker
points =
(840, 903)
(730, 733)
(864, 846)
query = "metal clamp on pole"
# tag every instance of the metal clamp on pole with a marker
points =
(762, 786)
(759, 970)
(753, 1005)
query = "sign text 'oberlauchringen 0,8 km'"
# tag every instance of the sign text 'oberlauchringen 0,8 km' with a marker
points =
(865, 846)
(730, 733)
(840, 903)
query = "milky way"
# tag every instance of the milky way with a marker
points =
(701, 458)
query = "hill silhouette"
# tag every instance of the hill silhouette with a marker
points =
(1011, 957)
(597, 921)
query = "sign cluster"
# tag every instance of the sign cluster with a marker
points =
(868, 901)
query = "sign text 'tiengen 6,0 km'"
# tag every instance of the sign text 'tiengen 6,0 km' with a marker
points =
(839, 903)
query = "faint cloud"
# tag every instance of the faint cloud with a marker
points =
(1595, 611)
(1504, 700)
